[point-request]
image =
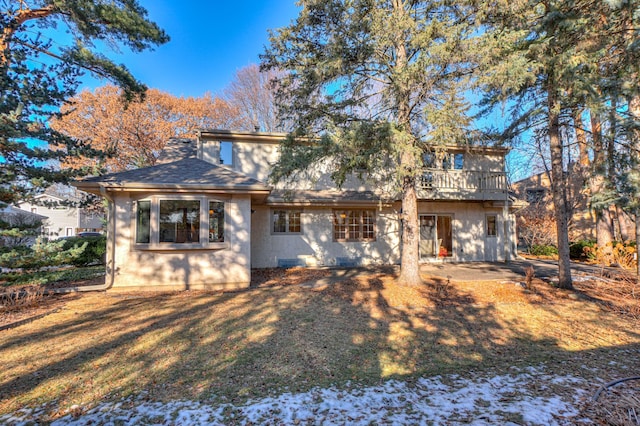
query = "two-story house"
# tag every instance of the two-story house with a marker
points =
(63, 219)
(205, 215)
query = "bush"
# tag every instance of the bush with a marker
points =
(93, 253)
(542, 250)
(577, 249)
(614, 253)
(41, 255)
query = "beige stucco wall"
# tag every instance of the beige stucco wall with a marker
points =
(225, 267)
(315, 245)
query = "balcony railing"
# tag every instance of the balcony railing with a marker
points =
(437, 181)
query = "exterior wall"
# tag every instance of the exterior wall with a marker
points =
(59, 219)
(316, 246)
(180, 269)
(468, 222)
(255, 160)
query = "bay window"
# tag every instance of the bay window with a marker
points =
(175, 223)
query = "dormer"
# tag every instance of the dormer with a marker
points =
(249, 153)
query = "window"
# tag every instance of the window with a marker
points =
(535, 195)
(226, 153)
(69, 232)
(458, 161)
(492, 229)
(286, 222)
(429, 160)
(34, 210)
(216, 222)
(179, 221)
(172, 223)
(143, 222)
(354, 225)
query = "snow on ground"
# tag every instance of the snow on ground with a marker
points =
(504, 399)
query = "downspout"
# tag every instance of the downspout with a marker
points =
(111, 271)
(505, 214)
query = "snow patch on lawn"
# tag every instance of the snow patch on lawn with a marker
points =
(505, 399)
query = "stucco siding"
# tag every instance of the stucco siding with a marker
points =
(211, 268)
(316, 244)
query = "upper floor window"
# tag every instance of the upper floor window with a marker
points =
(535, 195)
(443, 160)
(458, 161)
(226, 153)
(354, 225)
(286, 222)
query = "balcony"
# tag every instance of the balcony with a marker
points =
(437, 184)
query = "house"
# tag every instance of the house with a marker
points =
(536, 191)
(63, 220)
(205, 215)
(16, 218)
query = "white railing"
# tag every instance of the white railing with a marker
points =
(463, 180)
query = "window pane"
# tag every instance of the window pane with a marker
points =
(294, 221)
(368, 225)
(491, 226)
(354, 225)
(280, 221)
(216, 222)
(458, 161)
(179, 221)
(340, 225)
(143, 221)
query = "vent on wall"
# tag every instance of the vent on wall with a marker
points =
(348, 261)
(291, 263)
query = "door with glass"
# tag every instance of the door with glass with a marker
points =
(436, 236)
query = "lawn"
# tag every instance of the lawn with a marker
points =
(280, 336)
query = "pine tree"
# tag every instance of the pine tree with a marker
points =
(45, 48)
(366, 75)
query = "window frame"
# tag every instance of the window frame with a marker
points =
(349, 226)
(287, 221)
(154, 223)
(486, 225)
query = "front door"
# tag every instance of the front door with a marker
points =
(436, 237)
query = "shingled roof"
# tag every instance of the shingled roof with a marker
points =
(189, 173)
(323, 197)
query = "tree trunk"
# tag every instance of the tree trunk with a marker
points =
(410, 257)
(558, 188)
(637, 217)
(604, 224)
(581, 138)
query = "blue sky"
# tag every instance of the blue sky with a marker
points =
(210, 41)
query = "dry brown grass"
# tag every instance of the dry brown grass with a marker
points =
(280, 336)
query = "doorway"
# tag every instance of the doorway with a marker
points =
(436, 236)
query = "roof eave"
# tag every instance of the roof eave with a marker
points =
(94, 187)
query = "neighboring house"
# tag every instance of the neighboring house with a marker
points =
(536, 191)
(204, 215)
(63, 220)
(16, 218)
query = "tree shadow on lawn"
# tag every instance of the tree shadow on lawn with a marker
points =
(234, 346)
